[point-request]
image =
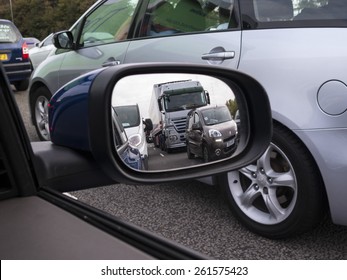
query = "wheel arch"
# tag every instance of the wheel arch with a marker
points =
(304, 145)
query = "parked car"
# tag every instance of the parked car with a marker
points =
(31, 42)
(39, 222)
(41, 50)
(294, 48)
(14, 54)
(211, 133)
(61, 129)
(129, 153)
(131, 120)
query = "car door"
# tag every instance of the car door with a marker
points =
(188, 32)
(101, 38)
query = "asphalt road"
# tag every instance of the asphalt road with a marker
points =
(194, 214)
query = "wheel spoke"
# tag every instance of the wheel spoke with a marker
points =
(264, 161)
(284, 179)
(42, 124)
(249, 196)
(273, 206)
(248, 171)
(41, 107)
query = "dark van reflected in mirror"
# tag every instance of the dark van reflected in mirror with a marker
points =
(177, 120)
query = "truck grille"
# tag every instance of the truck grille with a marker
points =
(180, 124)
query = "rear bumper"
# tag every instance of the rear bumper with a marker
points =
(18, 71)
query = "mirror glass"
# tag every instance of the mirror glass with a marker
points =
(169, 121)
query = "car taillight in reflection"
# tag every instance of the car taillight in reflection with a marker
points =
(25, 51)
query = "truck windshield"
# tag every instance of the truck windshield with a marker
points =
(216, 115)
(184, 101)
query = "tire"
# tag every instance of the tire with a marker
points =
(281, 195)
(21, 85)
(39, 111)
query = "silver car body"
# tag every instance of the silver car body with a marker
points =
(41, 51)
(302, 67)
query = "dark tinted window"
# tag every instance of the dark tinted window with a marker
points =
(184, 16)
(293, 13)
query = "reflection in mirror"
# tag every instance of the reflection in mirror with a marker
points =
(174, 120)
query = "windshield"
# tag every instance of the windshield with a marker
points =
(128, 115)
(216, 115)
(184, 101)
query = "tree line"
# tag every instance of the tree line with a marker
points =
(39, 18)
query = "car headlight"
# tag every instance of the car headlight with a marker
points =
(214, 133)
(135, 140)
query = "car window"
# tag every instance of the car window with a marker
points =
(108, 23)
(8, 34)
(48, 41)
(216, 116)
(332, 9)
(129, 115)
(296, 13)
(184, 16)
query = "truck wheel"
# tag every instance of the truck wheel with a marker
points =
(39, 111)
(281, 194)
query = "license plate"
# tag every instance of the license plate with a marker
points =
(230, 142)
(3, 56)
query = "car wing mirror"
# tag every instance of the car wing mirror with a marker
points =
(80, 118)
(63, 40)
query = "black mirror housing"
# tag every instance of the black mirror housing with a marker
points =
(63, 40)
(252, 97)
(80, 118)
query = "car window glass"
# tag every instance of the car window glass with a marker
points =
(8, 33)
(108, 23)
(292, 10)
(216, 115)
(331, 9)
(48, 41)
(183, 16)
(129, 115)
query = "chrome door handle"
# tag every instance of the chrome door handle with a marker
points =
(218, 55)
(110, 62)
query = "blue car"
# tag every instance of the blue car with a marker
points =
(69, 106)
(14, 54)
